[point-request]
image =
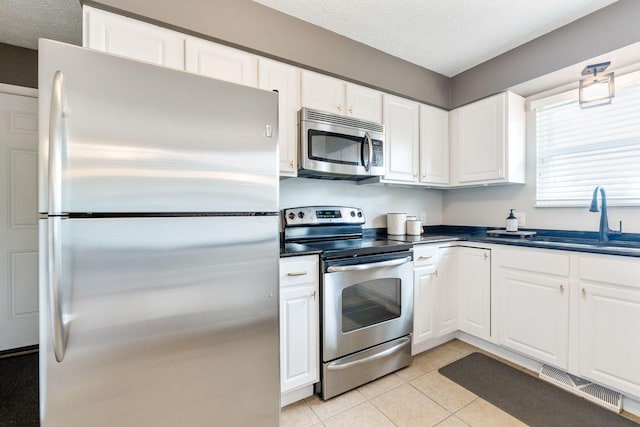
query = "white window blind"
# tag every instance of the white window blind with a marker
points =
(579, 149)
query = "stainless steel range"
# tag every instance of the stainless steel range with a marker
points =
(366, 295)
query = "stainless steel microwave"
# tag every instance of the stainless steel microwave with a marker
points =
(339, 147)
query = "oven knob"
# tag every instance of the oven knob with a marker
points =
(359, 214)
(353, 214)
(300, 214)
(292, 216)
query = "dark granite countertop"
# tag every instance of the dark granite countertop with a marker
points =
(625, 244)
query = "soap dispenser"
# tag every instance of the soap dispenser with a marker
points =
(512, 222)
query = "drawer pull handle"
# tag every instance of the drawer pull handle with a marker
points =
(425, 257)
(297, 273)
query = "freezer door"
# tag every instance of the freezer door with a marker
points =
(165, 322)
(118, 135)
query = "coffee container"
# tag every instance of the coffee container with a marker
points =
(414, 227)
(396, 223)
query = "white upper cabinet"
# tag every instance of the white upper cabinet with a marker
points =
(402, 145)
(325, 93)
(363, 103)
(220, 62)
(116, 34)
(434, 146)
(487, 140)
(286, 80)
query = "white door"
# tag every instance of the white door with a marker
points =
(18, 221)
(364, 103)
(322, 92)
(475, 292)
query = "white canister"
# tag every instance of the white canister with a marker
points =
(414, 227)
(396, 223)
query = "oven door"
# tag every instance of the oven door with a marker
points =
(366, 301)
(341, 150)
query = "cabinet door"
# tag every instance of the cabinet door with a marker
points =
(434, 145)
(116, 34)
(424, 304)
(323, 93)
(284, 79)
(364, 103)
(447, 282)
(475, 291)
(401, 119)
(533, 315)
(478, 132)
(220, 62)
(609, 313)
(298, 340)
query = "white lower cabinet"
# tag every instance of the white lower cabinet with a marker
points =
(609, 318)
(435, 299)
(532, 289)
(299, 327)
(474, 269)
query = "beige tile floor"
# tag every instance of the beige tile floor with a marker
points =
(414, 396)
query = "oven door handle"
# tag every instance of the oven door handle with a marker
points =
(369, 266)
(335, 366)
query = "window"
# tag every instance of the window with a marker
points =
(579, 149)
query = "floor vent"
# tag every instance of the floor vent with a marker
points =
(609, 399)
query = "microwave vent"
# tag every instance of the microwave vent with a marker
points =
(335, 119)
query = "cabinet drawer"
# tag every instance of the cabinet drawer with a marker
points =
(425, 255)
(298, 270)
(525, 259)
(610, 269)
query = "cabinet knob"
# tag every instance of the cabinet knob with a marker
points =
(291, 164)
(424, 175)
(562, 289)
(351, 110)
(584, 292)
(313, 295)
(435, 273)
(297, 273)
(486, 256)
(415, 176)
(339, 107)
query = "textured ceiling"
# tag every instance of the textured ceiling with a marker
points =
(23, 22)
(446, 36)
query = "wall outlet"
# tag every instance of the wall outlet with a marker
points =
(423, 218)
(520, 217)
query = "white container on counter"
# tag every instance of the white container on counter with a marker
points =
(396, 223)
(414, 227)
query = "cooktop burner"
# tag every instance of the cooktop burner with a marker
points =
(357, 247)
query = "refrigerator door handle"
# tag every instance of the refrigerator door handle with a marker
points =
(56, 136)
(59, 330)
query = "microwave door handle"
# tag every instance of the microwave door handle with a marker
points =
(367, 139)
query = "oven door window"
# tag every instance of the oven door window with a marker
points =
(337, 148)
(370, 303)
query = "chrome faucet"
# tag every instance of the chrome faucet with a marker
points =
(604, 231)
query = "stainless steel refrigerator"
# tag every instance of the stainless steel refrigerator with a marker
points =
(158, 194)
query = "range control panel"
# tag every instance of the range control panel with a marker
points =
(322, 215)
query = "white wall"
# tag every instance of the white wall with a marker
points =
(489, 206)
(375, 200)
